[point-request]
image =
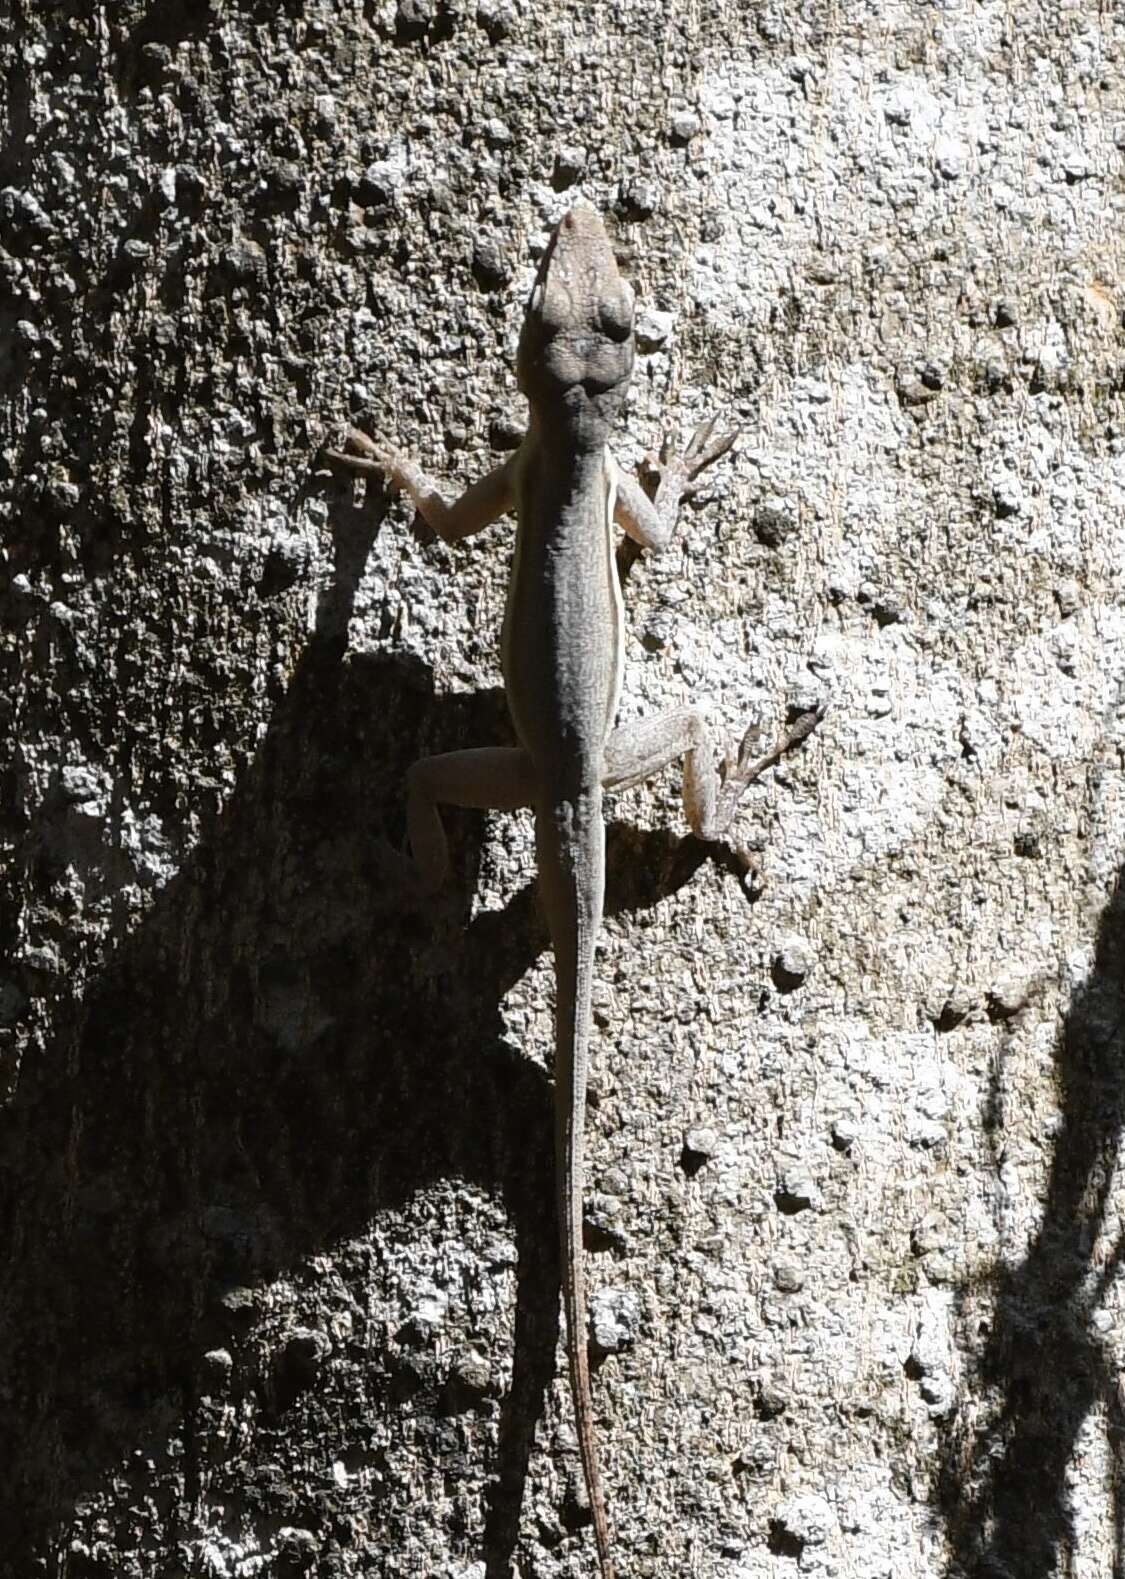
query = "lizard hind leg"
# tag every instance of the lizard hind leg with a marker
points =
(636, 752)
(490, 778)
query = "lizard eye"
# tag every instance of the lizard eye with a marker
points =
(615, 313)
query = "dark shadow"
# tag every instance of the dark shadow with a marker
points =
(274, 1056)
(1002, 1487)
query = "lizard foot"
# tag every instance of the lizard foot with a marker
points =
(364, 455)
(741, 770)
(372, 458)
(399, 883)
(702, 450)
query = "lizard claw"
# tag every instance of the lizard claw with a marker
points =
(372, 458)
(702, 452)
(698, 440)
(749, 766)
(735, 764)
(392, 874)
(364, 455)
(742, 769)
(399, 880)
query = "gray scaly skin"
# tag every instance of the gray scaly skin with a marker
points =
(562, 660)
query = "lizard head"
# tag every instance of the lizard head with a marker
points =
(576, 345)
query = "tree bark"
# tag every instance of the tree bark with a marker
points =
(279, 1289)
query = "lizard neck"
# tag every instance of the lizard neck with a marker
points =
(570, 429)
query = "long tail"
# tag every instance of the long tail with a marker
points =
(571, 853)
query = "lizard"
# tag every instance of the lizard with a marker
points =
(562, 659)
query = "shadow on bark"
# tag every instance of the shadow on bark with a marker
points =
(275, 1056)
(1044, 1364)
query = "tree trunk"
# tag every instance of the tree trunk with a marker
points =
(279, 1291)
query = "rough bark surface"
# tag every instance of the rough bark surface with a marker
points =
(278, 1285)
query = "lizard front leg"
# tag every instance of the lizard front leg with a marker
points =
(488, 779)
(651, 522)
(635, 752)
(482, 502)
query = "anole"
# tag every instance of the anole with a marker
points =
(562, 662)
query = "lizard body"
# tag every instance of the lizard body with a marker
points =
(562, 665)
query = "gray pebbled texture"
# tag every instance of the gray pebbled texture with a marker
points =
(278, 1293)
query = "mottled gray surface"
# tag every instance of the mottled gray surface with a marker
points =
(278, 1294)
